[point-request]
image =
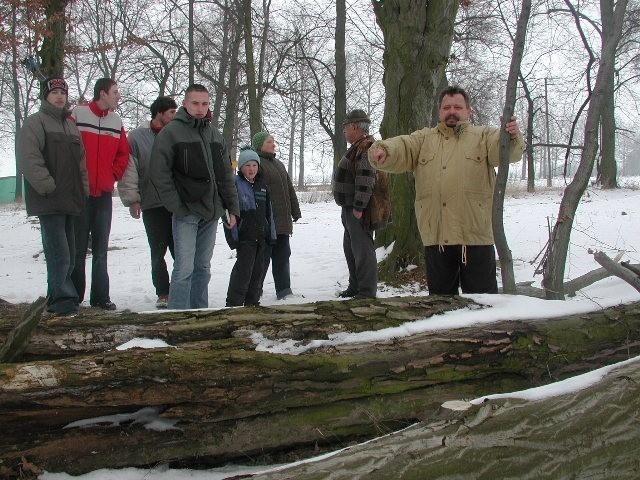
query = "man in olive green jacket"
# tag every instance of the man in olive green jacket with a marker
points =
(454, 168)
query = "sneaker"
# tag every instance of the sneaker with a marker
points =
(284, 294)
(348, 293)
(108, 305)
(163, 301)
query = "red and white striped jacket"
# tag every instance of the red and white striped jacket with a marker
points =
(105, 144)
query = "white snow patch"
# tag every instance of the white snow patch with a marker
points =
(144, 343)
(503, 307)
(383, 252)
(563, 387)
(148, 417)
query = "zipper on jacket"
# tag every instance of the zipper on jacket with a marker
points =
(185, 163)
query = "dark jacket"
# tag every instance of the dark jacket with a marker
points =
(51, 154)
(256, 223)
(354, 178)
(283, 196)
(191, 169)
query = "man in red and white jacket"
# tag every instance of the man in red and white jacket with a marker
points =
(107, 154)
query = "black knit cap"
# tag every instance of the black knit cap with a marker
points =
(356, 116)
(52, 83)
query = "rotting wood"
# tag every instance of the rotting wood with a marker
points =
(230, 402)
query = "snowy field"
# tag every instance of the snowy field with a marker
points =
(606, 220)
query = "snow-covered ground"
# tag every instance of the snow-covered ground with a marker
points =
(606, 220)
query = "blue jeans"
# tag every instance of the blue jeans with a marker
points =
(58, 243)
(95, 220)
(193, 241)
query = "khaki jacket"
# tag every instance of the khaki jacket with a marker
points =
(454, 178)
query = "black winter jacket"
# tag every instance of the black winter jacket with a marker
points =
(191, 169)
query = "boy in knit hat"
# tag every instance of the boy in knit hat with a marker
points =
(251, 234)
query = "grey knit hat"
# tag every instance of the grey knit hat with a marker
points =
(247, 154)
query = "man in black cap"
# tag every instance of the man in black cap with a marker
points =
(51, 154)
(353, 184)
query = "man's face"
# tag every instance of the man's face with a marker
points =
(197, 104)
(351, 132)
(269, 145)
(454, 110)
(57, 98)
(111, 99)
(166, 116)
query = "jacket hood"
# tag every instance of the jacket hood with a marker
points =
(55, 112)
(185, 117)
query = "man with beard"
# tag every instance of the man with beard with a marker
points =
(454, 169)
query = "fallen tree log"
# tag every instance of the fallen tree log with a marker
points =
(93, 331)
(594, 433)
(217, 400)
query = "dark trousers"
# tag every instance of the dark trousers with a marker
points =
(58, 243)
(446, 270)
(247, 275)
(278, 255)
(95, 221)
(157, 224)
(360, 254)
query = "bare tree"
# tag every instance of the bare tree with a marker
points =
(502, 246)
(556, 254)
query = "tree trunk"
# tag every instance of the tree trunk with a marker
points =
(303, 125)
(504, 439)
(340, 101)
(500, 238)
(52, 50)
(233, 93)
(255, 116)
(559, 242)
(608, 174)
(17, 111)
(226, 401)
(417, 37)
(530, 163)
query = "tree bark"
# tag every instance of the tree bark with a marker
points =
(340, 99)
(255, 115)
(229, 401)
(500, 238)
(504, 439)
(608, 171)
(417, 37)
(52, 50)
(556, 257)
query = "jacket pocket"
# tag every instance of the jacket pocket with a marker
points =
(478, 216)
(477, 173)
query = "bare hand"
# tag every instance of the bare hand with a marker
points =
(357, 214)
(232, 222)
(134, 210)
(512, 127)
(377, 155)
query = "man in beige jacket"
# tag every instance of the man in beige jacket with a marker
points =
(454, 168)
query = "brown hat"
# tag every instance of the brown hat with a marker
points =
(356, 116)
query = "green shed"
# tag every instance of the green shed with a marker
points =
(7, 189)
